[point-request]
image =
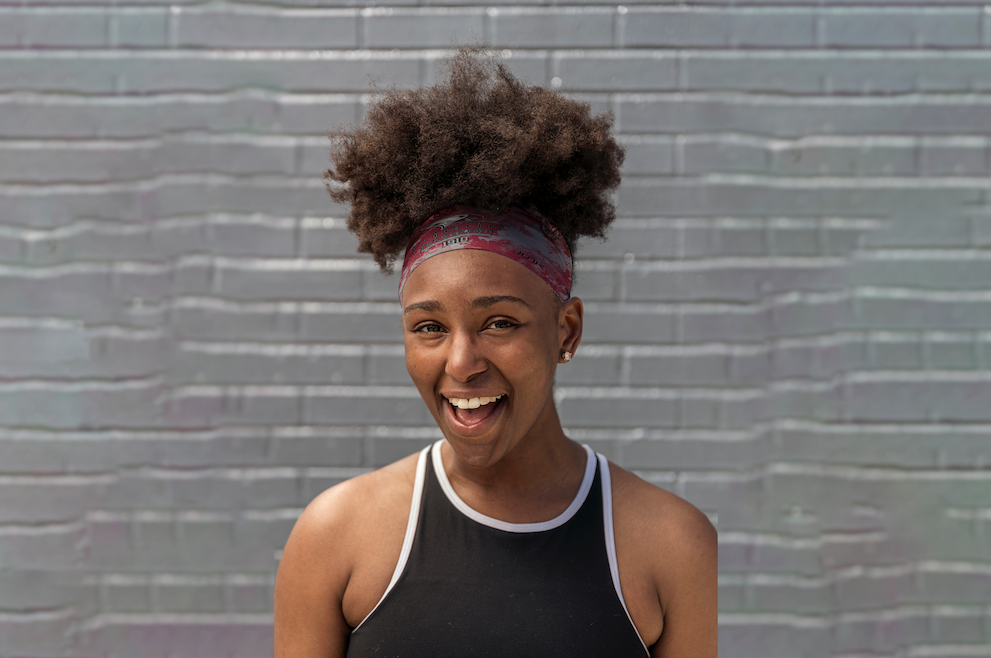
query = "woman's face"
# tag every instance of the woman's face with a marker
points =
(478, 325)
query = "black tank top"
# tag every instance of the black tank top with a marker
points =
(470, 585)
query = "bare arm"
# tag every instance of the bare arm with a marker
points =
(690, 592)
(309, 588)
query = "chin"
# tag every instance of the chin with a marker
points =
(479, 452)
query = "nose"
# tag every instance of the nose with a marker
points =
(464, 357)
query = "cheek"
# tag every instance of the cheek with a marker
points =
(531, 364)
(414, 364)
(419, 364)
(541, 350)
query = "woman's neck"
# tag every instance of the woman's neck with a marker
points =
(534, 481)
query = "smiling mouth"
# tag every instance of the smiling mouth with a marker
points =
(473, 411)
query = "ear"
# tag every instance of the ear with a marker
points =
(570, 319)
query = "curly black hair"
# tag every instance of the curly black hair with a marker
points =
(479, 137)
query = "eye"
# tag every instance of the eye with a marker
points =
(502, 324)
(428, 328)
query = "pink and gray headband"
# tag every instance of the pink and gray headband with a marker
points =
(523, 236)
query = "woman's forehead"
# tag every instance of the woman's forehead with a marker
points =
(455, 273)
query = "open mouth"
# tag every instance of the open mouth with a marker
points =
(470, 412)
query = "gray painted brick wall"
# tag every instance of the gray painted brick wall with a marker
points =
(790, 325)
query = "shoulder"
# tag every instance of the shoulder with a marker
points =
(336, 532)
(670, 547)
(366, 500)
(336, 528)
(672, 538)
(658, 507)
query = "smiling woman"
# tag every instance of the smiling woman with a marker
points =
(505, 538)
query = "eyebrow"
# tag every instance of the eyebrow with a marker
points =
(485, 302)
(432, 306)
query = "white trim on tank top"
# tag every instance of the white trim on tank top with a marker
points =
(611, 541)
(541, 526)
(414, 515)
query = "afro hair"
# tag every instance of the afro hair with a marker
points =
(478, 137)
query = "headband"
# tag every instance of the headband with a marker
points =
(523, 236)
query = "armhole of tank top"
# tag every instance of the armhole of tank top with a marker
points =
(611, 541)
(414, 515)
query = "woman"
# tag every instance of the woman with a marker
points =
(506, 538)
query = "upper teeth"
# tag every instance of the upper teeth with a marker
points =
(471, 403)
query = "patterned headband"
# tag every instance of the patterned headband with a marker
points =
(523, 236)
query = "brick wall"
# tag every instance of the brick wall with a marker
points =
(790, 325)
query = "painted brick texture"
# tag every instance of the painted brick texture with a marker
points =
(790, 324)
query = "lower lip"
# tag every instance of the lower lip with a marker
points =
(479, 428)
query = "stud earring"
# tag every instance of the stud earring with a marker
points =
(566, 356)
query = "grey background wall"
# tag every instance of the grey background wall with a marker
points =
(790, 325)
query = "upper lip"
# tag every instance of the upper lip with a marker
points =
(468, 396)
